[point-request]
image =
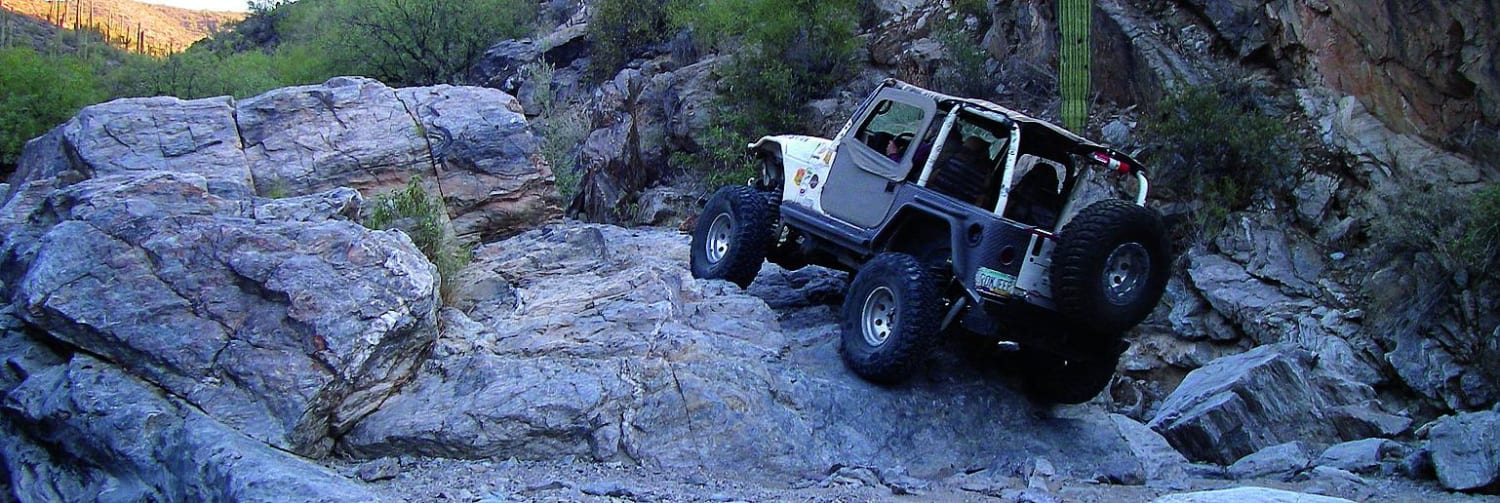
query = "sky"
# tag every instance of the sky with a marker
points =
(231, 5)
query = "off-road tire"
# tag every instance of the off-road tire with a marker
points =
(1052, 379)
(1110, 266)
(883, 348)
(736, 223)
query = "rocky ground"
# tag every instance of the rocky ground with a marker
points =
(804, 304)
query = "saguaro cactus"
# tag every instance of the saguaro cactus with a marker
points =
(1074, 57)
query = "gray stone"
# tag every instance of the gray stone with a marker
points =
(1466, 451)
(380, 469)
(1367, 420)
(473, 143)
(288, 332)
(1361, 456)
(612, 352)
(347, 132)
(342, 203)
(1116, 133)
(490, 174)
(1281, 461)
(90, 431)
(1312, 197)
(1160, 463)
(1267, 314)
(1240, 404)
(1335, 482)
(137, 135)
(1248, 495)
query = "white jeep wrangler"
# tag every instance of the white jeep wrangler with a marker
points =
(951, 213)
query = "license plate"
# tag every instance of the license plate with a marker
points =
(994, 282)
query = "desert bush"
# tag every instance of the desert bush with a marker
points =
(1216, 143)
(1461, 233)
(784, 54)
(561, 134)
(965, 75)
(976, 8)
(38, 94)
(424, 218)
(622, 29)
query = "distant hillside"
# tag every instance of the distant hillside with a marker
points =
(138, 27)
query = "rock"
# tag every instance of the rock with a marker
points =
(380, 469)
(287, 331)
(1160, 463)
(1361, 456)
(338, 204)
(1240, 404)
(93, 432)
(1116, 133)
(1466, 451)
(347, 132)
(608, 488)
(1418, 74)
(137, 135)
(1247, 495)
(613, 352)
(1268, 315)
(1367, 420)
(1281, 461)
(1312, 197)
(490, 177)
(1333, 481)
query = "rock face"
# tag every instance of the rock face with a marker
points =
(100, 433)
(287, 331)
(472, 143)
(157, 312)
(607, 349)
(1466, 451)
(1263, 397)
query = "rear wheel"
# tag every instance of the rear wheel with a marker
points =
(732, 235)
(1111, 265)
(890, 317)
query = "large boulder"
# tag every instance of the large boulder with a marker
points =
(1466, 451)
(286, 331)
(137, 135)
(87, 431)
(604, 347)
(473, 145)
(1266, 396)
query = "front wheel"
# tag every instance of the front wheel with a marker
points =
(732, 235)
(890, 317)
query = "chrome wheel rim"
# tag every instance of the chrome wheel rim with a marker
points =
(717, 244)
(879, 316)
(1124, 272)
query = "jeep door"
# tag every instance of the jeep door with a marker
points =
(862, 181)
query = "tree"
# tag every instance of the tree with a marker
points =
(37, 94)
(422, 42)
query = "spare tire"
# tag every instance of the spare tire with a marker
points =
(1110, 266)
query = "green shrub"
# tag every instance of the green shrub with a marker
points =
(36, 94)
(785, 53)
(1461, 233)
(1215, 142)
(966, 74)
(976, 8)
(621, 29)
(425, 219)
(561, 135)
